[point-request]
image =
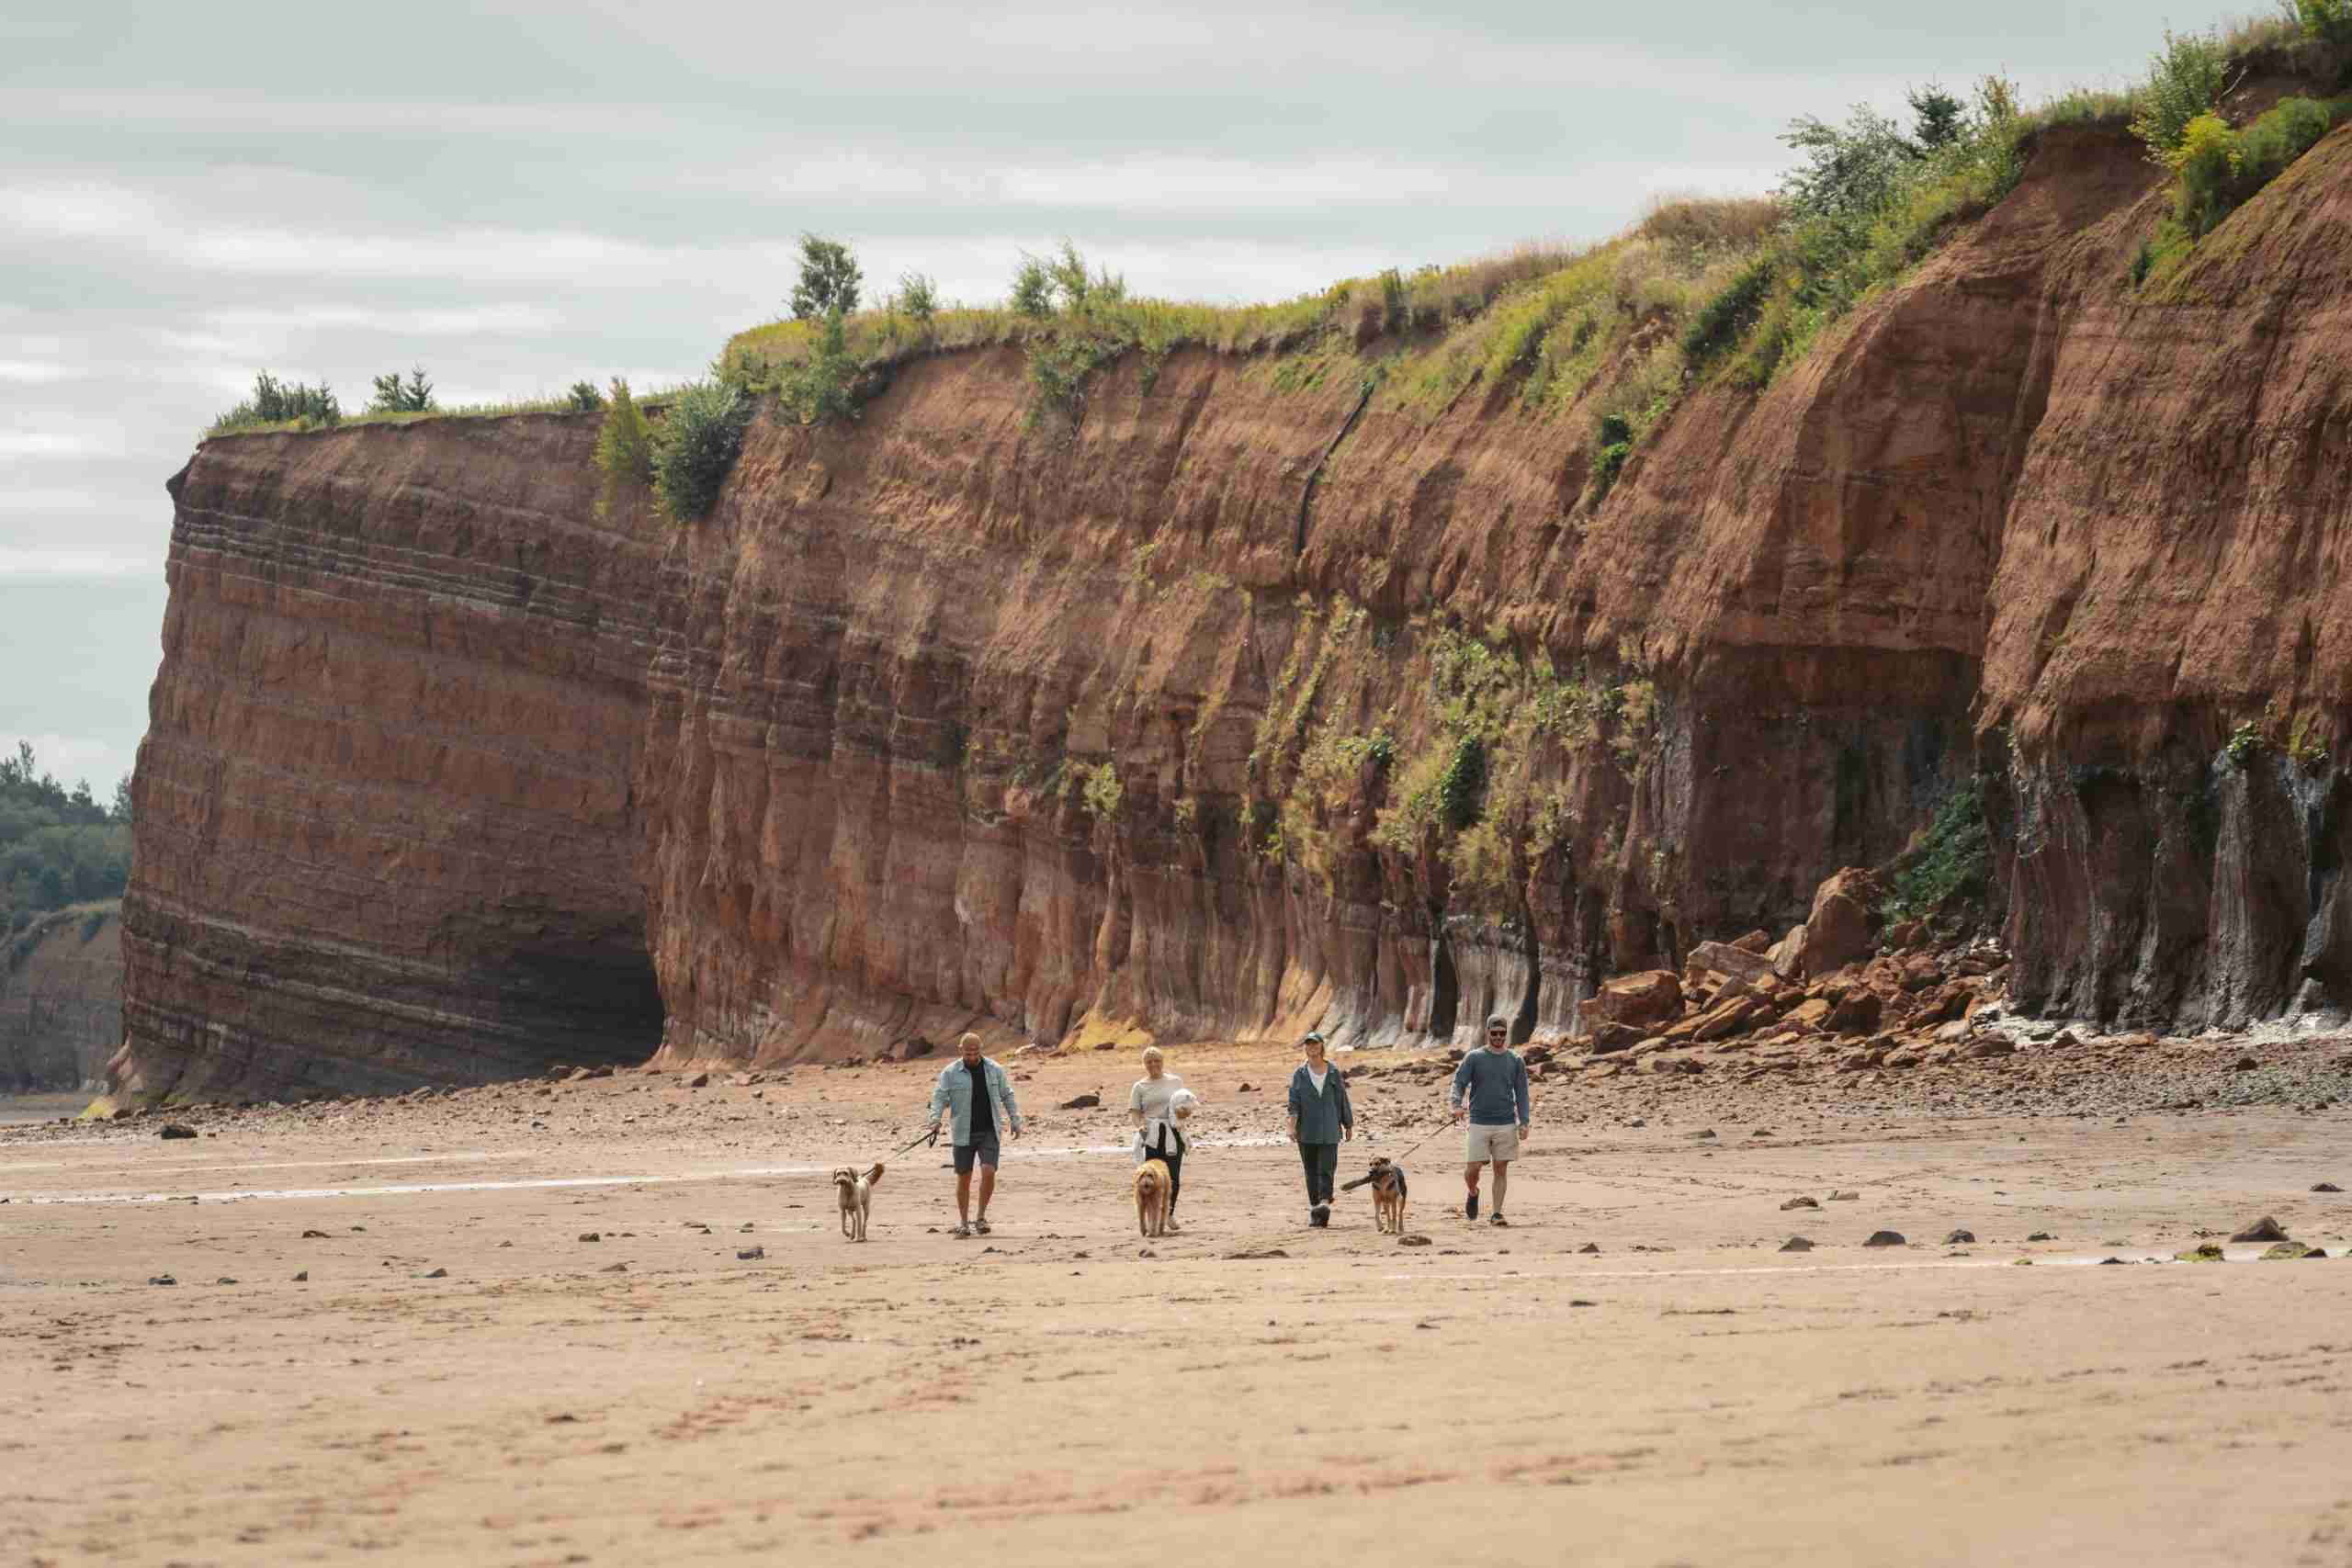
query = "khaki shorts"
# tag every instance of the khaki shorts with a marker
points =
(1491, 1143)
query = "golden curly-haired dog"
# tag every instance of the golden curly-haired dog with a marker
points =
(1151, 1197)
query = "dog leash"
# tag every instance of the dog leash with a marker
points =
(1442, 1126)
(928, 1137)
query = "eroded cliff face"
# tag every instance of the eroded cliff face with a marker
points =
(954, 716)
(385, 831)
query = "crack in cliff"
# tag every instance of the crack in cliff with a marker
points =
(1314, 474)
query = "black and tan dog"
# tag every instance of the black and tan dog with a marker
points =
(1387, 1179)
(857, 1190)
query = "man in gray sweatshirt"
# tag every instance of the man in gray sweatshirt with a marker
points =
(1494, 1081)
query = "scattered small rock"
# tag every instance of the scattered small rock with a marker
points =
(1245, 1088)
(2245, 1065)
(748, 1253)
(591, 1236)
(1799, 1203)
(437, 1274)
(1886, 1238)
(700, 1081)
(1837, 1197)
(2105, 1261)
(2203, 1252)
(1252, 1253)
(1580, 1301)
(1761, 1132)
(1083, 1102)
(2041, 1235)
(2263, 1229)
(174, 1130)
(1960, 1238)
(614, 1268)
(303, 1278)
(161, 1280)
(1702, 1135)
(1796, 1243)
(1414, 1240)
(2322, 1186)
(1590, 1246)
(2286, 1252)
(314, 1236)
(224, 1279)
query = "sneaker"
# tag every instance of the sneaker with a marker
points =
(962, 1232)
(1319, 1216)
(1470, 1207)
(1499, 1220)
(981, 1225)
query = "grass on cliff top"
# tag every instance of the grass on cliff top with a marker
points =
(885, 336)
(230, 425)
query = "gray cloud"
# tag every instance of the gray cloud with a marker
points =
(521, 195)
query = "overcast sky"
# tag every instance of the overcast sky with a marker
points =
(519, 194)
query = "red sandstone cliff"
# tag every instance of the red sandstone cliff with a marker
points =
(444, 772)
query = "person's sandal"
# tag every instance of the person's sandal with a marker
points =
(1497, 1220)
(982, 1226)
(962, 1232)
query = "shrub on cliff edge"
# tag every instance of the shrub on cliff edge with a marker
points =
(396, 394)
(2186, 80)
(697, 446)
(623, 447)
(278, 402)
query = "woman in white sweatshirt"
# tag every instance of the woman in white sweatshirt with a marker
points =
(1158, 1134)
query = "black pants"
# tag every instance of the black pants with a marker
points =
(1175, 1160)
(1322, 1163)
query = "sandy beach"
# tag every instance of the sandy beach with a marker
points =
(1634, 1372)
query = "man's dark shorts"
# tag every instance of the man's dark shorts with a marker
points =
(982, 1153)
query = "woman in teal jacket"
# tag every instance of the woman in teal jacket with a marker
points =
(1320, 1117)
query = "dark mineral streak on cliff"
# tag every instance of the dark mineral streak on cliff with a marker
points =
(940, 721)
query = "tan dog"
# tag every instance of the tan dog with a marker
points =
(1151, 1197)
(857, 1192)
(1387, 1182)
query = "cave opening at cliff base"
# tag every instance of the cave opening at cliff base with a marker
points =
(592, 1005)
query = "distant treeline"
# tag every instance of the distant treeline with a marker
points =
(58, 846)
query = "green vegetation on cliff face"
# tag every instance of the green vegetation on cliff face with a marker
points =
(57, 846)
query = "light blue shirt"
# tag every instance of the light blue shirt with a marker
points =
(953, 1090)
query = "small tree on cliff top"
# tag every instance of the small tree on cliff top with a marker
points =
(395, 394)
(829, 276)
(623, 447)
